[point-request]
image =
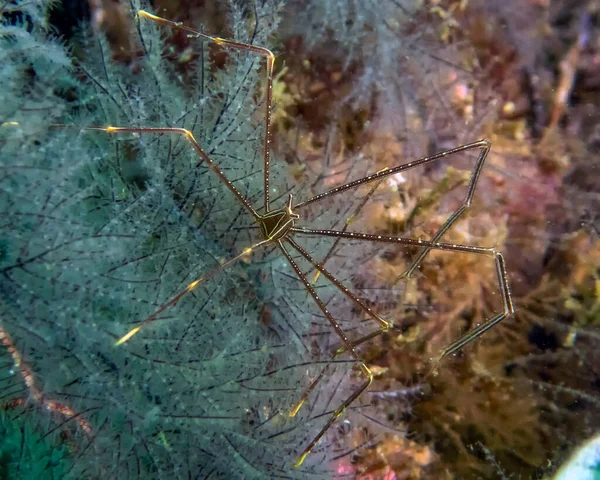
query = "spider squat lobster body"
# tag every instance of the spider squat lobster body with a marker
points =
(276, 224)
(279, 230)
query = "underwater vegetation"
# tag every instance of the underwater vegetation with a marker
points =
(522, 74)
(25, 453)
(99, 231)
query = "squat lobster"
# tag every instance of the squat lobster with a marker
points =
(280, 227)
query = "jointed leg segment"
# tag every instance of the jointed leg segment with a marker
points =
(190, 138)
(508, 308)
(426, 246)
(481, 144)
(365, 370)
(215, 168)
(270, 60)
(191, 287)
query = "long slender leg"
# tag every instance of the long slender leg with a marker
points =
(384, 325)
(191, 287)
(485, 326)
(411, 242)
(319, 266)
(481, 144)
(337, 353)
(347, 223)
(508, 307)
(270, 58)
(466, 204)
(346, 342)
(190, 137)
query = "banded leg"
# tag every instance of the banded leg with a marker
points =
(191, 287)
(365, 370)
(384, 325)
(189, 136)
(325, 370)
(508, 307)
(215, 168)
(482, 145)
(466, 204)
(347, 223)
(270, 60)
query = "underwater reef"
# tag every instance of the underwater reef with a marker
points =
(133, 346)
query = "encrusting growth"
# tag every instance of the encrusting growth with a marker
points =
(35, 393)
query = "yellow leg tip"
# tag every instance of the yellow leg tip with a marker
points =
(295, 410)
(300, 460)
(126, 337)
(145, 14)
